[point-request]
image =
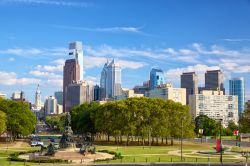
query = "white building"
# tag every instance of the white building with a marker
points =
(2, 95)
(76, 50)
(50, 106)
(128, 93)
(167, 91)
(215, 105)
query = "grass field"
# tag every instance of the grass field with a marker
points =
(140, 154)
(154, 154)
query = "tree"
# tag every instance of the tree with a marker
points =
(21, 120)
(3, 120)
(56, 122)
(244, 122)
(210, 126)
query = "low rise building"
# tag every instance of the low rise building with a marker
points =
(2, 95)
(167, 91)
(128, 93)
(215, 105)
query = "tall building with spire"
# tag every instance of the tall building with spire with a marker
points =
(38, 102)
(110, 83)
(76, 52)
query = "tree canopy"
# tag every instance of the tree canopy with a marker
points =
(244, 121)
(134, 117)
(20, 119)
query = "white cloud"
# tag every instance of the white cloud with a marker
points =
(199, 69)
(51, 2)
(12, 59)
(50, 68)
(31, 52)
(92, 62)
(10, 78)
(55, 83)
(236, 40)
(129, 29)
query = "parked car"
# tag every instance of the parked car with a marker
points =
(36, 143)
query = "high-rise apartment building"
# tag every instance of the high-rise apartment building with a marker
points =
(78, 93)
(156, 78)
(215, 105)
(190, 82)
(59, 97)
(38, 101)
(167, 92)
(214, 80)
(110, 82)
(71, 73)
(50, 106)
(18, 96)
(76, 50)
(237, 87)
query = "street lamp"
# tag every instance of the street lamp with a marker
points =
(182, 118)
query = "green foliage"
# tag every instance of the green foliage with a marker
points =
(3, 120)
(56, 121)
(20, 119)
(210, 126)
(133, 116)
(244, 122)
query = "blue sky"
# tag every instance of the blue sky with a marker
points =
(175, 35)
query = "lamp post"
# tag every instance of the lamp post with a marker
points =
(220, 141)
(181, 136)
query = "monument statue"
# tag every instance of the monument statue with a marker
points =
(67, 137)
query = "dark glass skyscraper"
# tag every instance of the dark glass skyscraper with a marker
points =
(190, 82)
(237, 87)
(214, 80)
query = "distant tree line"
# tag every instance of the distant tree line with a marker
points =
(16, 119)
(139, 118)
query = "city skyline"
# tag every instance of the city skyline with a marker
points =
(34, 46)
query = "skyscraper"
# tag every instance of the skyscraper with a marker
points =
(110, 82)
(156, 78)
(71, 73)
(237, 87)
(214, 80)
(59, 97)
(38, 101)
(78, 93)
(190, 82)
(76, 50)
(50, 105)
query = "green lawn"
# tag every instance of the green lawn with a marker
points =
(153, 154)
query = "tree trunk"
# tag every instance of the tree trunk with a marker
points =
(172, 141)
(127, 140)
(157, 141)
(161, 140)
(166, 140)
(108, 138)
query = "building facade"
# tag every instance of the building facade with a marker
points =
(78, 93)
(76, 50)
(214, 80)
(110, 83)
(189, 81)
(215, 105)
(169, 93)
(128, 93)
(71, 73)
(237, 87)
(156, 78)
(97, 93)
(50, 106)
(2, 95)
